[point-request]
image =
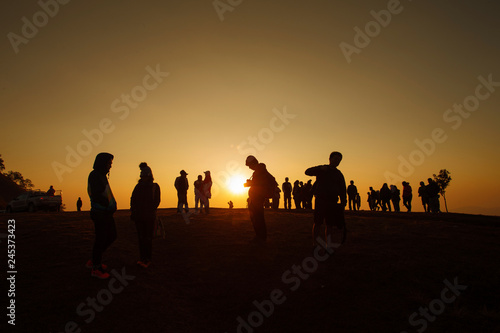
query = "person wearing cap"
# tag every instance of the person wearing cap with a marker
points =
(181, 185)
(329, 188)
(207, 190)
(256, 198)
(143, 204)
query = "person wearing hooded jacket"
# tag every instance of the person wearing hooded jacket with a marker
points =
(143, 204)
(102, 208)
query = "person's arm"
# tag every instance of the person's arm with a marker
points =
(314, 171)
(343, 194)
(96, 190)
(157, 196)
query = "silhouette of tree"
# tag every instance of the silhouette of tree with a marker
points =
(18, 178)
(443, 180)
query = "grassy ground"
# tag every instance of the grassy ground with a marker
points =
(393, 274)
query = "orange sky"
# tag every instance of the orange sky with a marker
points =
(402, 89)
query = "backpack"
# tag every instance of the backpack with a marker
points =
(269, 186)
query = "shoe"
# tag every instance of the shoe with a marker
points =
(144, 264)
(89, 264)
(99, 273)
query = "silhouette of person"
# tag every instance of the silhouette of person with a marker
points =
(329, 188)
(308, 194)
(395, 197)
(51, 191)
(407, 195)
(276, 198)
(374, 196)
(352, 190)
(296, 194)
(433, 194)
(79, 204)
(303, 195)
(207, 190)
(143, 204)
(181, 185)
(286, 187)
(369, 200)
(231, 205)
(102, 208)
(357, 201)
(385, 197)
(422, 193)
(256, 197)
(198, 188)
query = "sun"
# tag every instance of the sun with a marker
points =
(235, 184)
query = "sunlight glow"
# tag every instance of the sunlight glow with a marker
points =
(235, 184)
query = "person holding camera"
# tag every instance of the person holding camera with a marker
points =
(257, 193)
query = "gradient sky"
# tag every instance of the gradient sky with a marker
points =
(290, 81)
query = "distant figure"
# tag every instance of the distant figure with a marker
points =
(79, 204)
(357, 201)
(422, 193)
(276, 198)
(207, 190)
(198, 189)
(378, 203)
(352, 191)
(329, 188)
(102, 208)
(308, 194)
(51, 191)
(303, 195)
(181, 185)
(296, 192)
(369, 200)
(143, 204)
(407, 196)
(375, 199)
(231, 205)
(287, 193)
(385, 197)
(395, 197)
(433, 194)
(258, 192)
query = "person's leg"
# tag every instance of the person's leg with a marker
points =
(256, 210)
(105, 235)
(148, 238)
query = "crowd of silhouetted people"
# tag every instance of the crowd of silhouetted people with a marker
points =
(388, 198)
(383, 198)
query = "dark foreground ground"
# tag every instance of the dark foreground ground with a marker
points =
(404, 272)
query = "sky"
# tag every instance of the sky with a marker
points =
(402, 89)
